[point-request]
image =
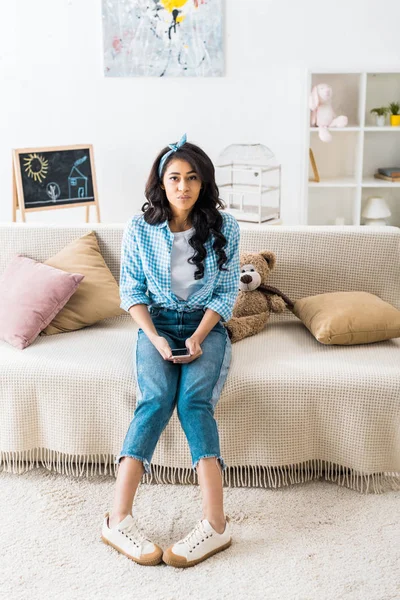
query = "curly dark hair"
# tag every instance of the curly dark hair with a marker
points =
(205, 216)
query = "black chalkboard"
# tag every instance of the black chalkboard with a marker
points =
(56, 177)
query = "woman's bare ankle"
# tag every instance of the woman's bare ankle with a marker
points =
(116, 518)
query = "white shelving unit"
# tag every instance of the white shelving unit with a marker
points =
(347, 164)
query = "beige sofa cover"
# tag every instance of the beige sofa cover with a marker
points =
(291, 408)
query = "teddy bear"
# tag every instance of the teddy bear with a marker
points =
(255, 300)
(322, 114)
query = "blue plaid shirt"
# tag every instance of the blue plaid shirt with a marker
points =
(145, 276)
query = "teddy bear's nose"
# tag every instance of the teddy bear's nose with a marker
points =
(246, 278)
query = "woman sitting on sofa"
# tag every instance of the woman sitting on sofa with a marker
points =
(184, 251)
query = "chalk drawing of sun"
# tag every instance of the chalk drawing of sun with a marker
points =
(36, 167)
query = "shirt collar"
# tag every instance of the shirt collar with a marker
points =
(158, 225)
(163, 224)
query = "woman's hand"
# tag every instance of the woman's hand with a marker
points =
(193, 344)
(161, 343)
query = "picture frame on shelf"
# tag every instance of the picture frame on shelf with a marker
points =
(314, 167)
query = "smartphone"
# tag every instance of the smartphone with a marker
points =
(180, 351)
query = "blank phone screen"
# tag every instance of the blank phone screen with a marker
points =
(180, 352)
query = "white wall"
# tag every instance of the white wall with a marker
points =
(53, 91)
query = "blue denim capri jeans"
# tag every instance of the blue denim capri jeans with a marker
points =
(194, 388)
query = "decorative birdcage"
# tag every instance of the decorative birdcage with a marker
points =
(249, 180)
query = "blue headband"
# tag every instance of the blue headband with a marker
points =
(174, 148)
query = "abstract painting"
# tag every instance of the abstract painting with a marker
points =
(161, 38)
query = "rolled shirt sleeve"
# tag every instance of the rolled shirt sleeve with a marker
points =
(133, 286)
(227, 288)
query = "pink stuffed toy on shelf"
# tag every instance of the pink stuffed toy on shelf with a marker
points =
(322, 114)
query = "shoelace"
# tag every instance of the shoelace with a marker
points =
(197, 535)
(133, 530)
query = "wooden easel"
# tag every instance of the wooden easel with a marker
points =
(15, 205)
(314, 167)
(17, 190)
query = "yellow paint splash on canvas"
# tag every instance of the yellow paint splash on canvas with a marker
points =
(171, 4)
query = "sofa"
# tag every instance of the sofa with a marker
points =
(291, 410)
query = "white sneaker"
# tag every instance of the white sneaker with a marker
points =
(201, 543)
(127, 538)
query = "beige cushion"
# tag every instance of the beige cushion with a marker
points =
(96, 298)
(346, 318)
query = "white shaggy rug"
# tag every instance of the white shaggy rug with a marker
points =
(309, 541)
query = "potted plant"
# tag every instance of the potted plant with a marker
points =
(394, 117)
(380, 113)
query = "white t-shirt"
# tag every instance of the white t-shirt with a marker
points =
(183, 283)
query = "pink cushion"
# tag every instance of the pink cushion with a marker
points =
(31, 294)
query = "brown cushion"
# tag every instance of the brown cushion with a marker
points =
(96, 298)
(346, 318)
